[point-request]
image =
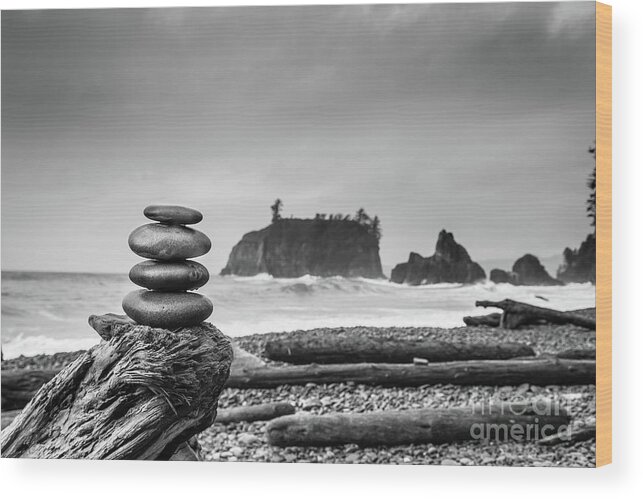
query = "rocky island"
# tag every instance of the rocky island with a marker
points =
(526, 271)
(579, 265)
(450, 263)
(324, 246)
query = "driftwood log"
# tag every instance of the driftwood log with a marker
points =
(327, 349)
(577, 353)
(539, 371)
(516, 314)
(491, 320)
(577, 432)
(519, 422)
(547, 370)
(139, 394)
(260, 412)
(20, 385)
(8, 417)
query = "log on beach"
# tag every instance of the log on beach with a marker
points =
(580, 432)
(8, 417)
(331, 349)
(139, 394)
(491, 320)
(259, 412)
(539, 371)
(577, 353)
(519, 422)
(20, 385)
(516, 314)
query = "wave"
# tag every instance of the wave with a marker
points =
(35, 345)
(48, 315)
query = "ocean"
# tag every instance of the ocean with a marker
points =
(45, 312)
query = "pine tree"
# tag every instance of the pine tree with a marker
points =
(591, 183)
(276, 210)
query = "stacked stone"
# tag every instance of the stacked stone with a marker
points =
(168, 275)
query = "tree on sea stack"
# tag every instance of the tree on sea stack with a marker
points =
(276, 210)
(154, 381)
(591, 183)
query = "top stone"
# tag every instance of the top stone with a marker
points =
(169, 214)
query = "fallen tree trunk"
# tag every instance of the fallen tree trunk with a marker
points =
(20, 385)
(545, 371)
(260, 412)
(516, 314)
(577, 353)
(139, 394)
(491, 320)
(539, 371)
(507, 422)
(8, 417)
(327, 349)
(579, 432)
(187, 451)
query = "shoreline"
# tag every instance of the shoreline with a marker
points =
(246, 441)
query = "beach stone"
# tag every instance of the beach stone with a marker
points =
(169, 276)
(168, 242)
(172, 214)
(167, 310)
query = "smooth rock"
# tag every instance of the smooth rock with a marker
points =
(169, 276)
(171, 214)
(168, 242)
(167, 310)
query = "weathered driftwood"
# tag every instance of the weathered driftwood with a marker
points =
(327, 349)
(187, 451)
(20, 385)
(491, 320)
(577, 353)
(104, 325)
(539, 371)
(260, 412)
(516, 314)
(577, 432)
(519, 422)
(139, 394)
(8, 417)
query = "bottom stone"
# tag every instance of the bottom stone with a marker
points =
(167, 310)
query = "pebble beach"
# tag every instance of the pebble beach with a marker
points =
(247, 442)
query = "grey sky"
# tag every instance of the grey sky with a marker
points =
(475, 118)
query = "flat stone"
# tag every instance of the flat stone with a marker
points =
(167, 310)
(172, 214)
(168, 242)
(169, 276)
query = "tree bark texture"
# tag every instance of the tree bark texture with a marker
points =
(342, 350)
(139, 394)
(504, 422)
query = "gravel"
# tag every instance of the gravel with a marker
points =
(247, 441)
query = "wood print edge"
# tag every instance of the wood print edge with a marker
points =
(603, 234)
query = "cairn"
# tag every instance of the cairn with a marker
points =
(168, 275)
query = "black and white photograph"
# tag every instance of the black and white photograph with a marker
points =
(333, 234)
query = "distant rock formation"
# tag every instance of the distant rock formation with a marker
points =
(579, 265)
(296, 247)
(450, 263)
(526, 271)
(502, 276)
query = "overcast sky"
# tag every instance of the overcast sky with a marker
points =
(475, 118)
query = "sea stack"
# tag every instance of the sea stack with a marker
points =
(168, 275)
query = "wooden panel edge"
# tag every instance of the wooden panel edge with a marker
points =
(603, 234)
